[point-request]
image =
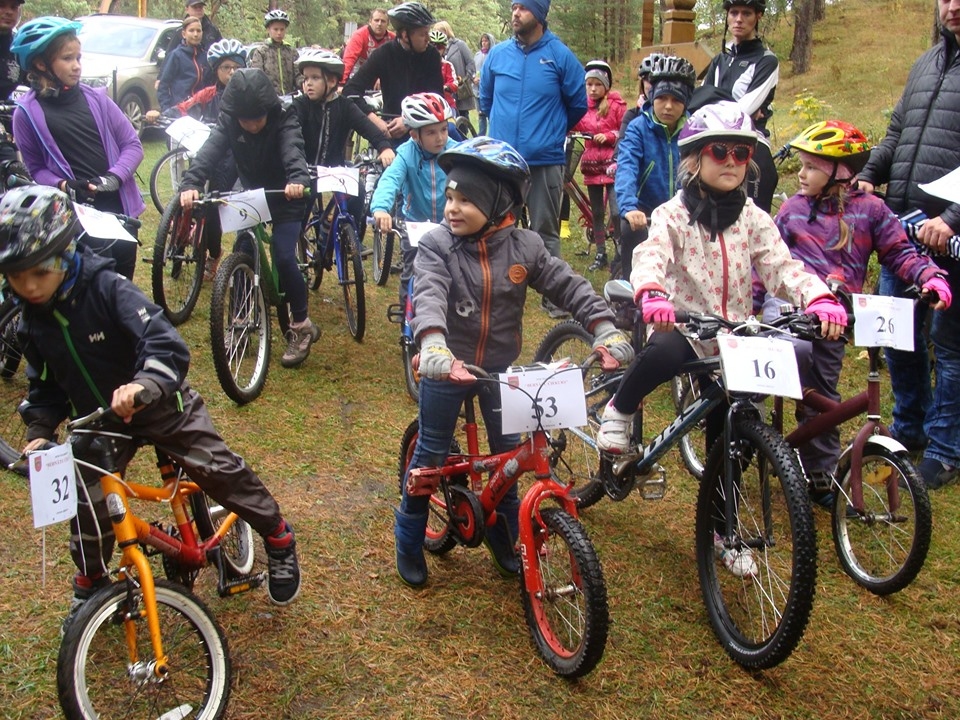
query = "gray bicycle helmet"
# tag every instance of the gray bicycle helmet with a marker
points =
(646, 65)
(37, 223)
(410, 15)
(226, 49)
(275, 16)
(326, 60)
(669, 67)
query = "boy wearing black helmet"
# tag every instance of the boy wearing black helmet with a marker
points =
(267, 146)
(471, 280)
(69, 298)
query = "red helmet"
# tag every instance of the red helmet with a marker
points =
(423, 109)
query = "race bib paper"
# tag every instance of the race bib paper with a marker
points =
(53, 485)
(337, 179)
(244, 210)
(101, 224)
(189, 133)
(763, 365)
(416, 230)
(883, 321)
(548, 393)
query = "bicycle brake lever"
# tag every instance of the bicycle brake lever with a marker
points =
(608, 363)
(459, 375)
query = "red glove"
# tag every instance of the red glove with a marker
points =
(939, 285)
(656, 307)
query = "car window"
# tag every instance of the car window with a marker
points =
(165, 39)
(116, 39)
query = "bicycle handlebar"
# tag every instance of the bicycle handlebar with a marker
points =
(144, 398)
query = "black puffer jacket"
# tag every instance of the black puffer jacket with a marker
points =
(269, 159)
(923, 139)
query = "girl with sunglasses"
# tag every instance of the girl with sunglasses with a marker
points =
(698, 257)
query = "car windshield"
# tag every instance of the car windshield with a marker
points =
(114, 38)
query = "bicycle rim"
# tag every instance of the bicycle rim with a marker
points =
(693, 445)
(13, 385)
(439, 538)
(167, 176)
(760, 616)
(179, 260)
(236, 547)
(104, 665)
(569, 619)
(239, 330)
(382, 256)
(411, 377)
(350, 266)
(883, 549)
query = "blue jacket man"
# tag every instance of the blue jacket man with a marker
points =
(532, 90)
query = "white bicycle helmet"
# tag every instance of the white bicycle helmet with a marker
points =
(275, 16)
(326, 60)
(423, 109)
(227, 49)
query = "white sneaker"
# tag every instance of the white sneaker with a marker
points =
(614, 434)
(739, 562)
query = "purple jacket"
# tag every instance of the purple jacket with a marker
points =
(874, 228)
(47, 164)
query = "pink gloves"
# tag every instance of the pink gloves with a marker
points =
(939, 285)
(828, 311)
(656, 307)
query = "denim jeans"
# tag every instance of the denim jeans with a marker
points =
(440, 402)
(923, 415)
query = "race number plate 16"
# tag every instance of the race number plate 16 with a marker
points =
(547, 396)
(883, 321)
(762, 365)
(53, 485)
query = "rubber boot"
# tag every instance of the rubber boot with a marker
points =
(409, 531)
(500, 542)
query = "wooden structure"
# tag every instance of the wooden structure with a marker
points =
(678, 30)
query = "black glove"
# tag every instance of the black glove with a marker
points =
(14, 174)
(78, 190)
(108, 182)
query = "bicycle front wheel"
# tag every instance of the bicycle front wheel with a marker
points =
(758, 585)
(351, 280)
(884, 547)
(382, 256)
(239, 329)
(237, 544)
(574, 455)
(179, 259)
(166, 176)
(568, 617)
(13, 384)
(105, 668)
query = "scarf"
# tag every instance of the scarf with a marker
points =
(715, 211)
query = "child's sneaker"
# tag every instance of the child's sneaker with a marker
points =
(740, 563)
(210, 268)
(300, 337)
(614, 434)
(83, 589)
(821, 489)
(599, 262)
(283, 568)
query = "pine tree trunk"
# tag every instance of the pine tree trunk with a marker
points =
(802, 49)
(819, 10)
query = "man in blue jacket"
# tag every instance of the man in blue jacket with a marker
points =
(532, 90)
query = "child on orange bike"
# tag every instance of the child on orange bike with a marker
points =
(267, 147)
(833, 228)
(93, 339)
(605, 109)
(472, 276)
(415, 174)
(698, 258)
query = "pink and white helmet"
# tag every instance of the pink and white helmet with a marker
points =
(724, 120)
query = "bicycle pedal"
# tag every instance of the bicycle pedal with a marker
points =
(395, 313)
(423, 481)
(226, 588)
(653, 485)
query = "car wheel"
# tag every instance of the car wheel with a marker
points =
(134, 107)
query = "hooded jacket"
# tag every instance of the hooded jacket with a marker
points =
(118, 335)
(474, 292)
(326, 125)
(416, 176)
(184, 73)
(277, 61)
(533, 95)
(594, 154)
(269, 159)
(647, 161)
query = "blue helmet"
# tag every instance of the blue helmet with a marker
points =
(494, 158)
(35, 35)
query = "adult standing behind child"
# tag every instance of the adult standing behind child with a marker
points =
(186, 70)
(648, 154)
(69, 296)
(471, 281)
(267, 146)
(365, 40)
(487, 41)
(274, 56)
(605, 109)
(73, 137)
(834, 228)
(459, 55)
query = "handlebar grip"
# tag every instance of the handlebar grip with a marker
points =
(682, 316)
(146, 397)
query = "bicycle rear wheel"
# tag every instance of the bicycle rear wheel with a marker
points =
(239, 329)
(411, 378)
(351, 280)
(13, 385)
(758, 605)
(568, 616)
(166, 176)
(693, 445)
(179, 259)
(884, 547)
(382, 256)
(236, 546)
(105, 664)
